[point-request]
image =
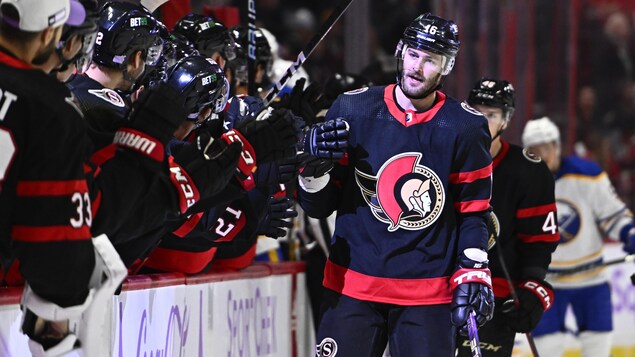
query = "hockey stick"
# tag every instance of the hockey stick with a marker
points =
(310, 47)
(599, 264)
(510, 284)
(152, 5)
(251, 48)
(472, 334)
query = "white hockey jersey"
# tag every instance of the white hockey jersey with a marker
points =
(588, 211)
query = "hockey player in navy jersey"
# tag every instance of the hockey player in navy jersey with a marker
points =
(408, 258)
(588, 210)
(525, 211)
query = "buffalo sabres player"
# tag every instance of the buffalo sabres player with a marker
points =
(588, 210)
(524, 205)
(408, 258)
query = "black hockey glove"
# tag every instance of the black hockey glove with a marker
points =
(304, 102)
(327, 140)
(157, 113)
(472, 285)
(316, 167)
(534, 297)
(272, 134)
(275, 223)
(203, 169)
(276, 173)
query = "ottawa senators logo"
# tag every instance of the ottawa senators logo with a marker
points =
(404, 194)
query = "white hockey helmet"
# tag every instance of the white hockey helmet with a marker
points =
(540, 131)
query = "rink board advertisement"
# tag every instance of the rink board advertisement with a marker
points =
(261, 316)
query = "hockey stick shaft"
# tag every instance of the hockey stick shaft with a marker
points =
(512, 289)
(251, 47)
(306, 52)
(152, 5)
(472, 334)
(599, 264)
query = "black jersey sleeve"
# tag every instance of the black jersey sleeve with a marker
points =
(537, 226)
(44, 201)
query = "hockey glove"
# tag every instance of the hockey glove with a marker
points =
(304, 102)
(203, 169)
(627, 236)
(327, 140)
(153, 119)
(316, 167)
(472, 290)
(534, 298)
(284, 172)
(272, 134)
(275, 222)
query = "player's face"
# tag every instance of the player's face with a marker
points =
(550, 153)
(495, 118)
(421, 72)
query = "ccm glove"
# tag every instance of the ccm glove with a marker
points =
(534, 298)
(327, 140)
(272, 134)
(275, 222)
(153, 119)
(472, 290)
(304, 102)
(203, 169)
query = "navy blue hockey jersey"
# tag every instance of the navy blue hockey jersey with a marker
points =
(412, 198)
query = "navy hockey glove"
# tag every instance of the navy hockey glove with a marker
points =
(534, 298)
(472, 290)
(276, 173)
(316, 167)
(304, 102)
(275, 222)
(153, 119)
(203, 169)
(272, 134)
(627, 236)
(327, 140)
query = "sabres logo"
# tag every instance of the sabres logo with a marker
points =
(404, 194)
(569, 222)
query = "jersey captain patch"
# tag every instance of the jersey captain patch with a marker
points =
(108, 95)
(404, 194)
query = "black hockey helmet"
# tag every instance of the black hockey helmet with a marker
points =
(264, 56)
(339, 83)
(493, 93)
(125, 28)
(87, 31)
(434, 34)
(202, 82)
(177, 47)
(207, 34)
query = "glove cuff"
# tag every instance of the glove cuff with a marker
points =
(246, 162)
(184, 185)
(140, 142)
(463, 275)
(542, 290)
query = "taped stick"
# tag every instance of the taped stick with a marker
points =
(472, 334)
(310, 47)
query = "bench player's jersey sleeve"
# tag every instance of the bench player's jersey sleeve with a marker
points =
(44, 201)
